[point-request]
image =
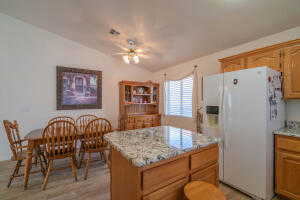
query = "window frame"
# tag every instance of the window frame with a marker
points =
(167, 94)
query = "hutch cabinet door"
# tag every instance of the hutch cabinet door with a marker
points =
(288, 174)
(292, 72)
(233, 65)
(271, 59)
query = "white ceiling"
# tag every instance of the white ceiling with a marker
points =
(172, 31)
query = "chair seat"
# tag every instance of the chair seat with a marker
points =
(199, 190)
(22, 155)
(61, 153)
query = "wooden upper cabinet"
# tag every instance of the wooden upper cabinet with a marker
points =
(233, 65)
(291, 64)
(271, 59)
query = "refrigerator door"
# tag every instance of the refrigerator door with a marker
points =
(245, 128)
(212, 96)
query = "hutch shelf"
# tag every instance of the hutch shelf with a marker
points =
(139, 102)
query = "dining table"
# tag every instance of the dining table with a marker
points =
(35, 139)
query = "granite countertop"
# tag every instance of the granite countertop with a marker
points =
(145, 146)
(292, 129)
(288, 132)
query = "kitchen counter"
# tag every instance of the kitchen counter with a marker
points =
(156, 163)
(146, 146)
(288, 132)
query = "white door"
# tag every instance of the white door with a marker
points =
(245, 129)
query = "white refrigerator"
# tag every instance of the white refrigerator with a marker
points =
(244, 108)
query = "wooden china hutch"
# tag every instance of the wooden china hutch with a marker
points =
(139, 105)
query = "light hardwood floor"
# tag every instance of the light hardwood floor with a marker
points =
(61, 185)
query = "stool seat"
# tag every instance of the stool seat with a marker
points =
(199, 190)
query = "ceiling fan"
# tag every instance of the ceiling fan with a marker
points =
(131, 54)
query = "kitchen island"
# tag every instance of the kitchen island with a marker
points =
(155, 163)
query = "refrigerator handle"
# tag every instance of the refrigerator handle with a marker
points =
(222, 115)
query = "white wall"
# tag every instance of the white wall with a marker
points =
(210, 65)
(28, 60)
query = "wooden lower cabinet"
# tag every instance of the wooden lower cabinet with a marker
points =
(209, 175)
(164, 180)
(288, 167)
(174, 191)
(139, 121)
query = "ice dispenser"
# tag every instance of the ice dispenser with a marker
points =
(212, 113)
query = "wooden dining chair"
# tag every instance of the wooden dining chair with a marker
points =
(60, 118)
(18, 149)
(60, 138)
(83, 120)
(93, 140)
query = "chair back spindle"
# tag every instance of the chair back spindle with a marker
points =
(60, 118)
(94, 131)
(13, 136)
(83, 120)
(60, 138)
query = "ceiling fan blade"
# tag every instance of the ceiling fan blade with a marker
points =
(121, 47)
(144, 56)
(120, 53)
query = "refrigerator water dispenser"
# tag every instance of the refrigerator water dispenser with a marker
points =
(212, 113)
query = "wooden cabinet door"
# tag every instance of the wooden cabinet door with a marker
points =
(269, 58)
(233, 65)
(173, 191)
(288, 174)
(292, 72)
(209, 175)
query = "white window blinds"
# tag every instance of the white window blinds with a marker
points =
(179, 97)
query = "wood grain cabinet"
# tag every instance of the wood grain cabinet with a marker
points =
(288, 166)
(138, 105)
(283, 57)
(233, 65)
(269, 58)
(292, 72)
(165, 179)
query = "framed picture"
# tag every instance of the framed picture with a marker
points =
(78, 88)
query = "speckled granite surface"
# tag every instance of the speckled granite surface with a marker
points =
(288, 132)
(145, 146)
(292, 129)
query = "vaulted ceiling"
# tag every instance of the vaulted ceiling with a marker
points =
(170, 31)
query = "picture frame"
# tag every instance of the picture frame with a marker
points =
(78, 88)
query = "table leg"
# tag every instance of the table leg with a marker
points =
(28, 163)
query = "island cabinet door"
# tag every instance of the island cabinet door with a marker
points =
(165, 174)
(209, 175)
(173, 191)
(288, 174)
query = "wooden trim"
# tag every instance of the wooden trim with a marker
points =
(59, 72)
(136, 83)
(260, 50)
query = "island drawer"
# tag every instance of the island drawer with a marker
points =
(163, 175)
(173, 191)
(209, 175)
(204, 158)
(288, 143)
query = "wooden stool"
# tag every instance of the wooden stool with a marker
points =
(199, 190)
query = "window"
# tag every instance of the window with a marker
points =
(179, 97)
